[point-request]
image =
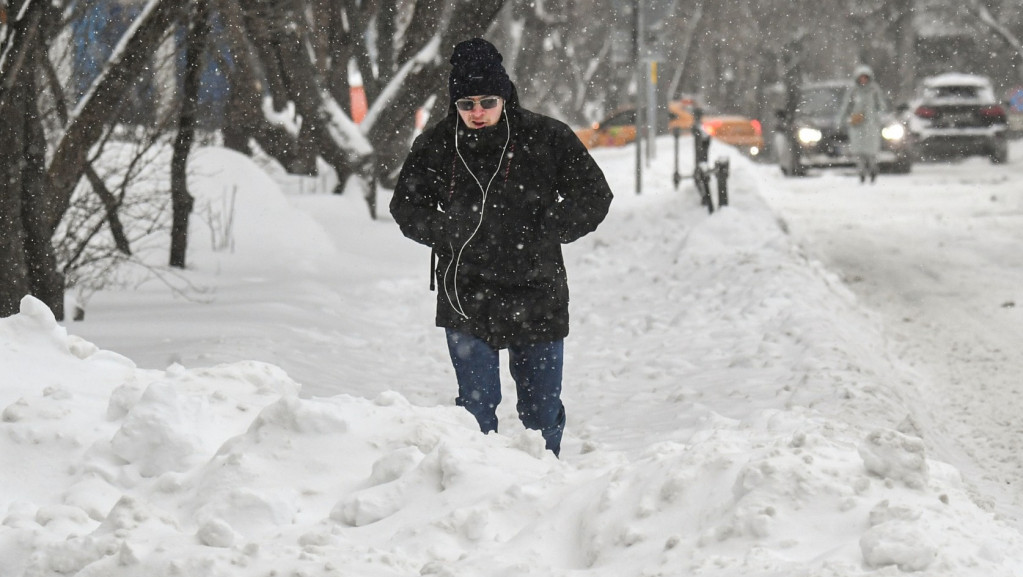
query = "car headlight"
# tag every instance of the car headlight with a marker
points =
(893, 132)
(809, 135)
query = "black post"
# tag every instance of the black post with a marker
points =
(792, 59)
(721, 169)
(677, 177)
(702, 179)
(701, 172)
(637, 21)
(701, 140)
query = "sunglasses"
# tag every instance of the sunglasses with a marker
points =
(467, 104)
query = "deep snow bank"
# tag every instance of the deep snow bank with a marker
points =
(226, 471)
(118, 471)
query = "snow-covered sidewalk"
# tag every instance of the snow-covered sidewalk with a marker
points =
(732, 411)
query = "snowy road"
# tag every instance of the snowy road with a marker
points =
(937, 254)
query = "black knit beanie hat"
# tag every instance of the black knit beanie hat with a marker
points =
(476, 70)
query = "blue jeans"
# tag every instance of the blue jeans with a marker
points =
(536, 369)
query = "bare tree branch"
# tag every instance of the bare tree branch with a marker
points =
(980, 10)
(96, 109)
(110, 202)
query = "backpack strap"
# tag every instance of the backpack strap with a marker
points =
(433, 267)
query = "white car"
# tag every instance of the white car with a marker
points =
(957, 115)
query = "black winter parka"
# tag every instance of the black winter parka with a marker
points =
(497, 231)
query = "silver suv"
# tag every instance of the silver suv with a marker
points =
(957, 115)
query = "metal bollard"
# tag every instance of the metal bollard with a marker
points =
(702, 142)
(677, 176)
(721, 171)
(701, 176)
(701, 170)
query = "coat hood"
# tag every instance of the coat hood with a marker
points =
(862, 70)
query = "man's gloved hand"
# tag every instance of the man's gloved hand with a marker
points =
(856, 119)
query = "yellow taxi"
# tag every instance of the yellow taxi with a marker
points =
(619, 128)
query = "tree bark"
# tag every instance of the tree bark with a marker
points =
(110, 202)
(905, 43)
(246, 119)
(359, 17)
(14, 282)
(338, 51)
(26, 205)
(182, 201)
(22, 37)
(39, 207)
(386, 15)
(287, 57)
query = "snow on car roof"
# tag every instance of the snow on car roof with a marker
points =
(957, 79)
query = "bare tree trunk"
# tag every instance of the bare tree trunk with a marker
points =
(387, 14)
(23, 35)
(39, 206)
(110, 203)
(339, 51)
(252, 18)
(14, 282)
(27, 207)
(246, 89)
(246, 119)
(905, 42)
(181, 201)
(359, 17)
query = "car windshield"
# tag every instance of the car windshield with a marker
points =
(821, 101)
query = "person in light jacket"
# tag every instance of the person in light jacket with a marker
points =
(863, 112)
(495, 190)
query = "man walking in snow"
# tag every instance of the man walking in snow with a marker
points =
(495, 190)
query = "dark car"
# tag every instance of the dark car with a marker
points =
(817, 138)
(957, 115)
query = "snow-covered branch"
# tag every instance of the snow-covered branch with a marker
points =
(344, 131)
(115, 57)
(984, 15)
(427, 54)
(98, 107)
(540, 13)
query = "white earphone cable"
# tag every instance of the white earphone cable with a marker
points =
(457, 304)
